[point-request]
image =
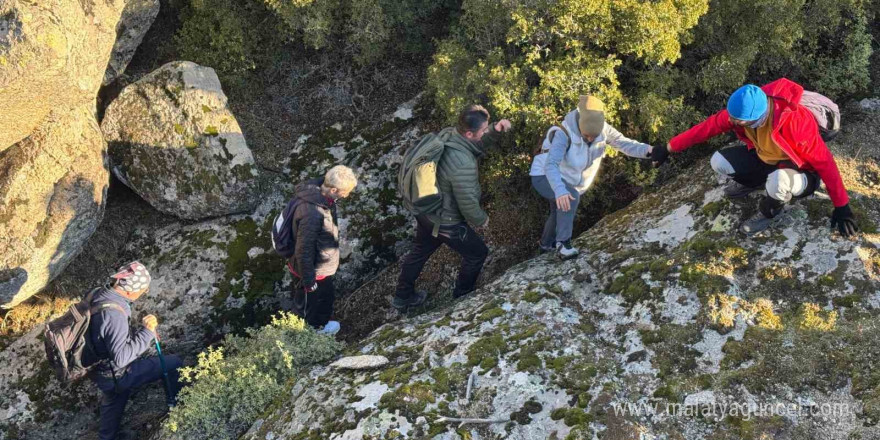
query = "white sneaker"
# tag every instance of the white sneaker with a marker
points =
(565, 250)
(330, 328)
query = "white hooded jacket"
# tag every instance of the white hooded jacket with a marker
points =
(578, 164)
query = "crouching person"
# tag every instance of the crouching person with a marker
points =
(113, 348)
(316, 253)
(570, 157)
(783, 153)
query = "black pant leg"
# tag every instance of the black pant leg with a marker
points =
(464, 240)
(323, 301)
(412, 263)
(748, 168)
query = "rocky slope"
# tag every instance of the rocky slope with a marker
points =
(772, 336)
(650, 313)
(221, 275)
(53, 186)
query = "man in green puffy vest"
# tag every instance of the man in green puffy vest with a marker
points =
(459, 183)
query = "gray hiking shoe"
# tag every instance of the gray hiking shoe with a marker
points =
(416, 299)
(736, 190)
(544, 249)
(760, 222)
(565, 250)
(756, 224)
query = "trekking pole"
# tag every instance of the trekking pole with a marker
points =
(168, 399)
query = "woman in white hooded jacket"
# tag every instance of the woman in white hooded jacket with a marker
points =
(568, 163)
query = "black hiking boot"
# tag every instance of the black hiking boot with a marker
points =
(735, 190)
(416, 299)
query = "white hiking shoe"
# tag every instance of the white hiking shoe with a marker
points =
(565, 250)
(330, 328)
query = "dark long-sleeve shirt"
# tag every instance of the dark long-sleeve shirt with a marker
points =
(110, 335)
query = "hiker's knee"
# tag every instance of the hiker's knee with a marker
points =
(480, 252)
(173, 361)
(721, 165)
(783, 184)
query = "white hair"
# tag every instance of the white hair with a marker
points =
(340, 177)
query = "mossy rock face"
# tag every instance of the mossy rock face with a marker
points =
(53, 55)
(673, 307)
(174, 141)
(221, 275)
(53, 190)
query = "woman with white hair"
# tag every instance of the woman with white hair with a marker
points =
(316, 256)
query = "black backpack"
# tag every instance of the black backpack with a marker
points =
(283, 238)
(65, 338)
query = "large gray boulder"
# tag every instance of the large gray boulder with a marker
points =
(137, 17)
(174, 141)
(53, 54)
(53, 186)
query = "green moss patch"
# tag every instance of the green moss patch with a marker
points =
(485, 352)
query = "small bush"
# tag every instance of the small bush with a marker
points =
(365, 31)
(233, 384)
(233, 37)
(823, 44)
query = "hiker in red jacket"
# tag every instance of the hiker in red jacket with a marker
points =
(783, 153)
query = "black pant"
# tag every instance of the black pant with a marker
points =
(461, 238)
(117, 392)
(749, 169)
(316, 307)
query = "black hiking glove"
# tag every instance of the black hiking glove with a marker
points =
(843, 219)
(659, 155)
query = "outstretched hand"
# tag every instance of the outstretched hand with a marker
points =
(502, 126)
(659, 155)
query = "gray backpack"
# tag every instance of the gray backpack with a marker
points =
(65, 338)
(417, 178)
(825, 111)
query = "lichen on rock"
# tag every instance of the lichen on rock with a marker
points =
(183, 160)
(664, 308)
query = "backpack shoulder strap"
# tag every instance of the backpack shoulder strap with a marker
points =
(95, 308)
(564, 130)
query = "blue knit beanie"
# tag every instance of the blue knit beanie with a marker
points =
(747, 103)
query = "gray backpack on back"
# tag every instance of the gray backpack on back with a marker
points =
(825, 111)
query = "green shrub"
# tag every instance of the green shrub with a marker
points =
(231, 36)
(233, 384)
(824, 44)
(365, 31)
(529, 60)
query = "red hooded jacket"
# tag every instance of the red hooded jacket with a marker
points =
(794, 130)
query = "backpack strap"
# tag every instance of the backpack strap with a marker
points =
(552, 133)
(95, 308)
(104, 306)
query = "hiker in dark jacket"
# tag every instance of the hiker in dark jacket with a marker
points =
(458, 181)
(115, 348)
(316, 257)
(782, 152)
